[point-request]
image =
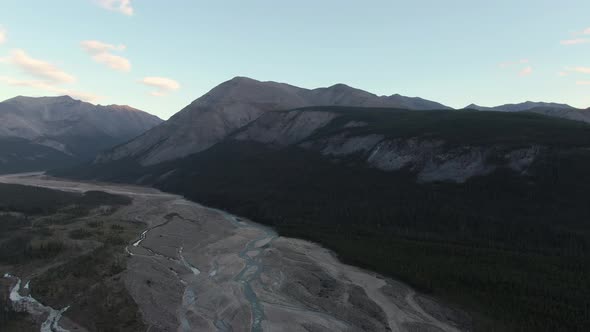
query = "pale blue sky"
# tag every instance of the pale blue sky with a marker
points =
(455, 51)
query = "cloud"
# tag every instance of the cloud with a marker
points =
(576, 41)
(583, 70)
(3, 35)
(47, 77)
(121, 6)
(163, 85)
(95, 46)
(578, 38)
(49, 87)
(513, 66)
(526, 71)
(101, 53)
(113, 61)
(562, 73)
(507, 64)
(583, 82)
(38, 68)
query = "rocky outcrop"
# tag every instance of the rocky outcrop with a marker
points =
(435, 161)
(430, 159)
(343, 145)
(285, 128)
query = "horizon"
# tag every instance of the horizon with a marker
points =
(124, 53)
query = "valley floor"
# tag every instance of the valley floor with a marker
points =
(199, 269)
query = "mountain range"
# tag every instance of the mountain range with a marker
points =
(403, 186)
(47, 132)
(234, 104)
(57, 131)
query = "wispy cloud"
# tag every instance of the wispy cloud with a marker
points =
(583, 70)
(101, 53)
(163, 85)
(578, 38)
(51, 88)
(517, 66)
(121, 6)
(95, 46)
(526, 71)
(3, 35)
(576, 41)
(46, 76)
(38, 68)
(113, 61)
(583, 82)
(507, 64)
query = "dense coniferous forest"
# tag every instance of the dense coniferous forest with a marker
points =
(40, 226)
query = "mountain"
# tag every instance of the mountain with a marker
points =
(234, 104)
(47, 132)
(478, 108)
(521, 107)
(550, 109)
(528, 105)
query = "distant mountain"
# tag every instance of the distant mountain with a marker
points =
(234, 104)
(478, 108)
(521, 107)
(550, 109)
(46, 132)
(527, 106)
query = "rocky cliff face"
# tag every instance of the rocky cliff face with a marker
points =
(67, 127)
(236, 103)
(431, 159)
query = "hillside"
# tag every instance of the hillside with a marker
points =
(466, 205)
(47, 132)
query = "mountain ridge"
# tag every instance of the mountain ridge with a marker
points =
(237, 102)
(521, 107)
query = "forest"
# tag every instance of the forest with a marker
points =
(76, 249)
(511, 250)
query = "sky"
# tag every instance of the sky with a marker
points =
(160, 55)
